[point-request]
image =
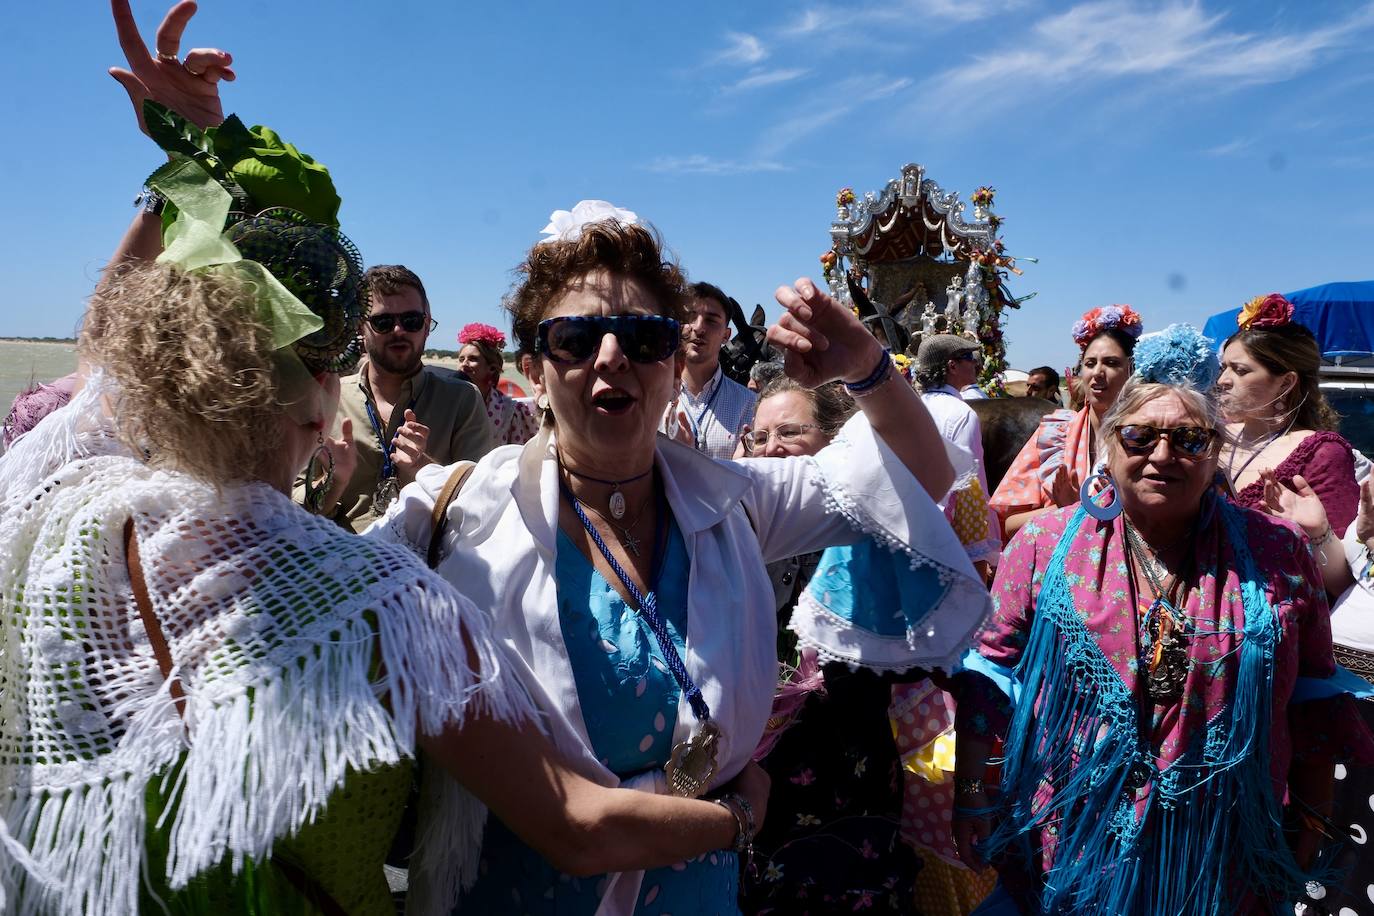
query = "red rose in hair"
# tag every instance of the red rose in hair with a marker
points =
(1269, 311)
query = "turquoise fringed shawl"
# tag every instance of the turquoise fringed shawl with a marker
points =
(1205, 834)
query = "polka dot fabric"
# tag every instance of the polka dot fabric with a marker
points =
(512, 421)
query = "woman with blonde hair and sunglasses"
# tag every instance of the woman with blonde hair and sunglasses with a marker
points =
(627, 571)
(1167, 655)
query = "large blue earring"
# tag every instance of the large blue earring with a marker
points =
(1085, 498)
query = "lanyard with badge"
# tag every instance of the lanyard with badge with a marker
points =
(388, 488)
(693, 762)
(699, 424)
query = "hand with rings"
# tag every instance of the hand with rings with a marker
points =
(189, 87)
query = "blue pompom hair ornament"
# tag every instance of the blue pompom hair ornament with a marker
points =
(1177, 355)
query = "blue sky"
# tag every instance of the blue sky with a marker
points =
(1179, 157)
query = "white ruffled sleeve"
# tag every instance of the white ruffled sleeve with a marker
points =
(855, 486)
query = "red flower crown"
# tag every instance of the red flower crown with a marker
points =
(482, 333)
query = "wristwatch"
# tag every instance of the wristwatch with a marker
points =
(150, 201)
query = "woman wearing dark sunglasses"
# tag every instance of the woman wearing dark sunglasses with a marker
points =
(1166, 647)
(628, 571)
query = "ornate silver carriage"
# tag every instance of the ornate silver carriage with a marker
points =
(911, 254)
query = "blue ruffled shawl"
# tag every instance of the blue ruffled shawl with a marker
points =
(1206, 832)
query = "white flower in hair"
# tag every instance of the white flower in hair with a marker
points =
(567, 225)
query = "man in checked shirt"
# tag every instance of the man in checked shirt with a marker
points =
(714, 409)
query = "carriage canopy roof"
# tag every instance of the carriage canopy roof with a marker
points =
(1340, 315)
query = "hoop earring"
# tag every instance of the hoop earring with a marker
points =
(314, 493)
(1085, 498)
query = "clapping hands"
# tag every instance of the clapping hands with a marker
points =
(1298, 503)
(408, 448)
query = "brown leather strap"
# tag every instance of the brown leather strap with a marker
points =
(156, 639)
(438, 519)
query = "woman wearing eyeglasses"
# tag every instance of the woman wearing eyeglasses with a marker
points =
(627, 571)
(832, 842)
(1173, 728)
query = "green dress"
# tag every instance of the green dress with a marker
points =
(340, 854)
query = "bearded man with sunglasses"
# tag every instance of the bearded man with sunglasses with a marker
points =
(398, 414)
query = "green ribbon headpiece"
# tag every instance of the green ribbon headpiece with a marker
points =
(197, 241)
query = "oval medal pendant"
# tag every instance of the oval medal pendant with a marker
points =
(617, 504)
(387, 490)
(693, 763)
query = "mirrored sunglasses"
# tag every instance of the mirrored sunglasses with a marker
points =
(576, 338)
(1188, 441)
(410, 322)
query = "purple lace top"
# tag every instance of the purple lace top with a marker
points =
(1325, 460)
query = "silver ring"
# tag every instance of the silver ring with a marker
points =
(168, 58)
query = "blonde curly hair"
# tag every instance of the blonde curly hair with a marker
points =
(193, 364)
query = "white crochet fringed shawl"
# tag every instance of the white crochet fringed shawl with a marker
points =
(303, 651)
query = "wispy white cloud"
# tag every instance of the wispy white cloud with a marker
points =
(742, 48)
(698, 164)
(810, 21)
(1238, 145)
(760, 78)
(1175, 42)
(855, 19)
(836, 103)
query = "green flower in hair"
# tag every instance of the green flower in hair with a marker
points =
(258, 168)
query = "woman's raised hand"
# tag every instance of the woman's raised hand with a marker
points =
(1364, 522)
(188, 86)
(1062, 490)
(821, 340)
(1297, 503)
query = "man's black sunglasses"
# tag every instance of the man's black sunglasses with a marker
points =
(1188, 441)
(576, 338)
(410, 322)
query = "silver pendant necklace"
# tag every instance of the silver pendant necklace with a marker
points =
(616, 502)
(628, 539)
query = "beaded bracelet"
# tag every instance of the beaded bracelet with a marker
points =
(873, 379)
(1314, 547)
(745, 827)
(968, 786)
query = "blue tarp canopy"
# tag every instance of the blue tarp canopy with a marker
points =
(1341, 315)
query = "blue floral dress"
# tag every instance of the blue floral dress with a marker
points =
(629, 702)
